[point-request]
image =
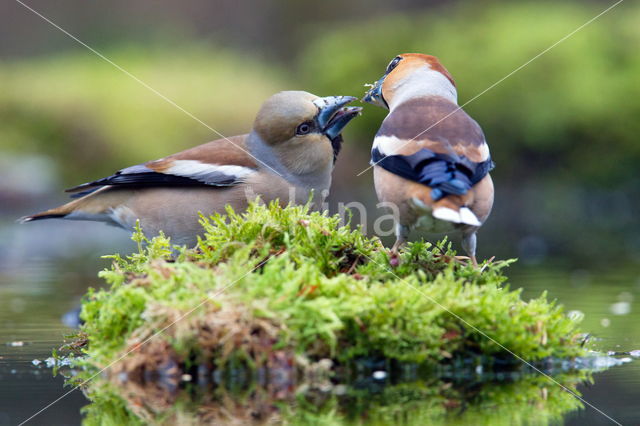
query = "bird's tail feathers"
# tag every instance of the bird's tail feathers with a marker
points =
(464, 215)
(56, 213)
(89, 207)
(40, 216)
(452, 208)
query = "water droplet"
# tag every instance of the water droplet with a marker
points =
(576, 315)
(379, 375)
(620, 308)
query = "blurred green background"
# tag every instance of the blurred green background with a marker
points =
(563, 130)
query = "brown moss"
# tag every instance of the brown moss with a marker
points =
(222, 332)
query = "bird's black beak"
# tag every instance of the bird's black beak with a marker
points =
(374, 94)
(333, 116)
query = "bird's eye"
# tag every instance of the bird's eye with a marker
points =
(393, 64)
(304, 128)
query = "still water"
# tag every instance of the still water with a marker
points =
(42, 279)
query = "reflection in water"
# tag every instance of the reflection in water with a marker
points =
(466, 398)
(42, 278)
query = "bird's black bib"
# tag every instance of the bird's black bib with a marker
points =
(445, 174)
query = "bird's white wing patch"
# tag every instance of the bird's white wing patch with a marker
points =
(208, 173)
(484, 151)
(388, 145)
(202, 171)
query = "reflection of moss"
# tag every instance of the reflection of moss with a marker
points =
(280, 286)
(531, 397)
(433, 401)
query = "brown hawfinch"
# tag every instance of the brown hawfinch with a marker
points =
(290, 152)
(430, 159)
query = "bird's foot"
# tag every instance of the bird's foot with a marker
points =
(462, 260)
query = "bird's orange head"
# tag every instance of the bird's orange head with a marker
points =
(400, 70)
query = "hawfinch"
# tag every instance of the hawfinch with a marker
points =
(290, 152)
(430, 159)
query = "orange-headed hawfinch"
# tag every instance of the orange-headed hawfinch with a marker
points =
(430, 158)
(290, 152)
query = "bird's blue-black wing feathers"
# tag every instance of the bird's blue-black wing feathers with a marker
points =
(141, 176)
(445, 174)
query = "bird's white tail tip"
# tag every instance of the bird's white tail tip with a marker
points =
(24, 219)
(468, 217)
(464, 215)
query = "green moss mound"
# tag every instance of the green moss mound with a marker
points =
(275, 284)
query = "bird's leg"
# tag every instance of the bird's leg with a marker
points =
(469, 241)
(402, 233)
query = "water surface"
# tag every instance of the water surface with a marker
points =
(42, 280)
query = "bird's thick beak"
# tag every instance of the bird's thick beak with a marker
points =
(333, 116)
(374, 94)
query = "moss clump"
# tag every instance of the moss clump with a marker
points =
(277, 284)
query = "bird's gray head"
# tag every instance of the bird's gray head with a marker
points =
(304, 127)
